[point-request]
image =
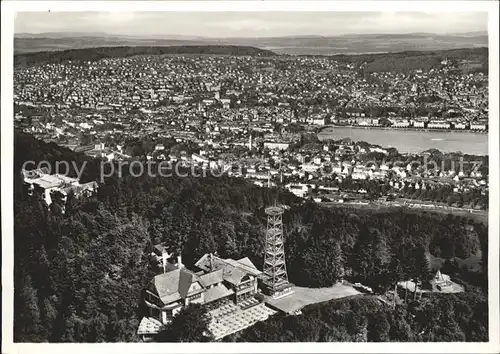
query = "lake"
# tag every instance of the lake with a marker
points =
(412, 140)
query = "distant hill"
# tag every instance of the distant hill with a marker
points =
(412, 60)
(293, 45)
(368, 43)
(477, 58)
(93, 54)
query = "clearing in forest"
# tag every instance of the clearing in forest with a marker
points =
(302, 297)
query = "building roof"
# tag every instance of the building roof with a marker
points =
(217, 292)
(90, 186)
(159, 248)
(186, 278)
(440, 277)
(246, 265)
(174, 285)
(48, 181)
(149, 325)
(212, 278)
(232, 271)
(233, 274)
(166, 284)
(30, 174)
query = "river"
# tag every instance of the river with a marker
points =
(413, 141)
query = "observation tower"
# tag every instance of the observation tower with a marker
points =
(275, 277)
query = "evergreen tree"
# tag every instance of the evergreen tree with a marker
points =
(378, 327)
(421, 270)
(27, 319)
(362, 261)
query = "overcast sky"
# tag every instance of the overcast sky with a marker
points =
(249, 24)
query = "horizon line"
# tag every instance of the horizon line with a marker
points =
(145, 36)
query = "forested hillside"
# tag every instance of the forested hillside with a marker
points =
(413, 60)
(93, 54)
(79, 275)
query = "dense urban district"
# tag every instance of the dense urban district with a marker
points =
(363, 242)
(249, 115)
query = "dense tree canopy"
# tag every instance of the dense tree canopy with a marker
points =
(94, 54)
(79, 275)
(190, 325)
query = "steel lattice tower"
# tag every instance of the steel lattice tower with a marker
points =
(275, 275)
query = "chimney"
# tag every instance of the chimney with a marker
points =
(211, 262)
(179, 262)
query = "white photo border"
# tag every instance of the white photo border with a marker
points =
(8, 10)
